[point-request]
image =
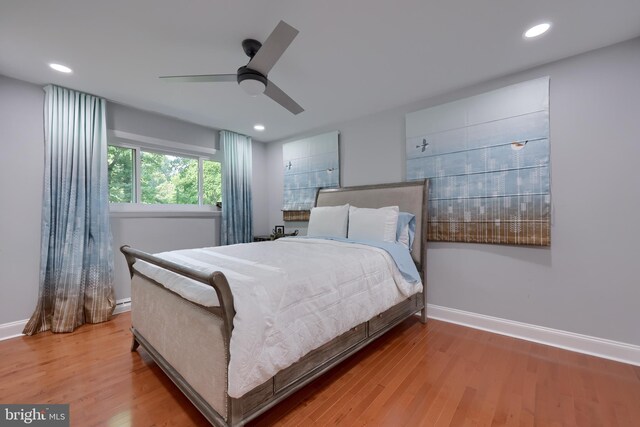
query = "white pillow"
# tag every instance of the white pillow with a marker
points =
(373, 224)
(328, 221)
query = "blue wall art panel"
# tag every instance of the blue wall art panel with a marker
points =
(487, 159)
(309, 164)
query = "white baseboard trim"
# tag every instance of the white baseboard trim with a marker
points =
(12, 329)
(122, 306)
(608, 349)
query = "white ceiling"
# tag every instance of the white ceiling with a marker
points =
(351, 58)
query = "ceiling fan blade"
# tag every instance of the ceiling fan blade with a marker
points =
(273, 48)
(275, 93)
(203, 78)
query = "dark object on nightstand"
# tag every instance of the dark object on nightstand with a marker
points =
(274, 236)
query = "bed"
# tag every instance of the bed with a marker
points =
(191, 338)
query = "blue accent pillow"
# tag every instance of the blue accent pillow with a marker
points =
(406, 229)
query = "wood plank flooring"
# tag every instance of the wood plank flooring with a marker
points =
(437, 374)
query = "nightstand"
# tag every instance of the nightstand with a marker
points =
(261, 238)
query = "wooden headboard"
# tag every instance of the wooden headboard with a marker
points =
(408, 196)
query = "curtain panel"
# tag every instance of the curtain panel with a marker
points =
(76, 260)
(237, 222)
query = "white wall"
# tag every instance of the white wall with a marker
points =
(259, 187)
(21, 170)
(588, 280)
(132, 120)
(157, 234)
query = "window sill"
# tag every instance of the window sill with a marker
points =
(126, 210)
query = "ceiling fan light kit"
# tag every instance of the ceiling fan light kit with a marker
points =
(252, 82)
(252, 77)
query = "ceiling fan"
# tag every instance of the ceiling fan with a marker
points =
(253, 76)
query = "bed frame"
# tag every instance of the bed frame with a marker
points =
(165, 324)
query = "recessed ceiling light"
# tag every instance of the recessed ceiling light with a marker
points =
(60, 67)
(537, 30)
(259, 128)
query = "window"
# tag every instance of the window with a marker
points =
(168, 180)
(139, 175)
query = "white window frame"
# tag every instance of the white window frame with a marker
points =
(139, 143)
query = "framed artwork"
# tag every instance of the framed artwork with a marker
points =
(309, 164)
(487, 160)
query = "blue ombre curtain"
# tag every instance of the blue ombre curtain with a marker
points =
(76, 259)
(237, 222)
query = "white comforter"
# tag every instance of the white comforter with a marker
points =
(291, 296)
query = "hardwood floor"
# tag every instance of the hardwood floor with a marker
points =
(437, 374)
